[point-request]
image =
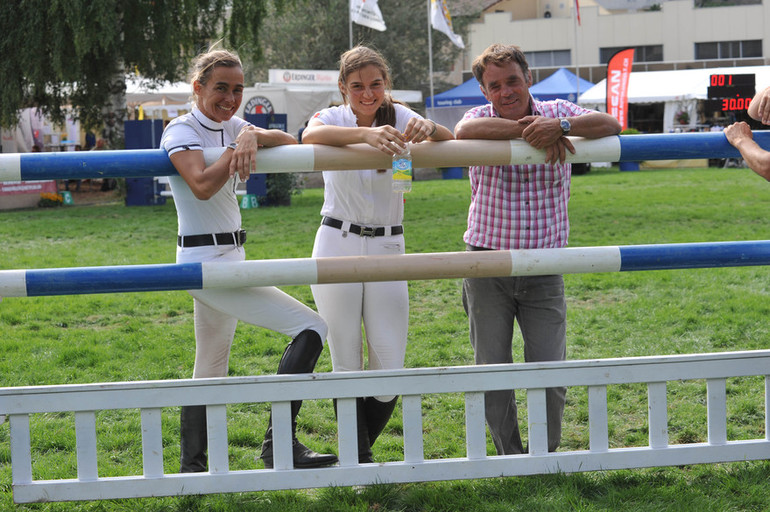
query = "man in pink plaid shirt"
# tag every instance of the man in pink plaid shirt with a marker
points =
(520, 207)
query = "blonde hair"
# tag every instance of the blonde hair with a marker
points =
(205, 63)
(358, 58)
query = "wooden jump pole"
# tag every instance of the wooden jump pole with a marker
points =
(303, 271)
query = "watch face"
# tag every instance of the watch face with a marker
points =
(565, 126)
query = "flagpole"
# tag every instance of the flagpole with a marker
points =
(430, 60)
(577, 66)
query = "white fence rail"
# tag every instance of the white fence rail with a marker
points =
(150, 397)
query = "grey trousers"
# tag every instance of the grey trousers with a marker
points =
(537, 303)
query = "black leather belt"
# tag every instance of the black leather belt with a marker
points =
(234, 238)
(362, 230)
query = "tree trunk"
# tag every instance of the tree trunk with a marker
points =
(114, 112)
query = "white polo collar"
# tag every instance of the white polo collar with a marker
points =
(205, 121)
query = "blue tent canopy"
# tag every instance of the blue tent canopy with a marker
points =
(466, 95)
(561, 85)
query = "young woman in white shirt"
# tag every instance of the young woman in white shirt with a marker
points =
(361, 216)
(210, 230)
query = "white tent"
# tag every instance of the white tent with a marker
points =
(299, 102)
(680, 90)
(139, 90)
(166, 100)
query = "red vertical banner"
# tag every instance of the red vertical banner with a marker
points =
(618, 73)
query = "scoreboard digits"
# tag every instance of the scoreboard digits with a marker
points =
(731, 93)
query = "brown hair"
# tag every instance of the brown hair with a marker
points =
(499, 54)
(358, 58)
(204, 64)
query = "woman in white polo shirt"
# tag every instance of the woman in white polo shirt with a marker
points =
(362, 215)
(210, 230)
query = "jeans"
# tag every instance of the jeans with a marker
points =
(537, 303)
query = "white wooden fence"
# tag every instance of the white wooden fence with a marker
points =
(85, 400)
(21, 404)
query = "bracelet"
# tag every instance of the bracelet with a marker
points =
(431, 134)
(232, 145)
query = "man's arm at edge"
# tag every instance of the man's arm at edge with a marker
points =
(594, 125)
(490, 128)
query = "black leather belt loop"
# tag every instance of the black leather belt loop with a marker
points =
(362, 230)
(235, 238)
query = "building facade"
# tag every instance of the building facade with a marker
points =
(673, 34)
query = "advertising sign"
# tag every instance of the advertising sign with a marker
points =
(618, 73)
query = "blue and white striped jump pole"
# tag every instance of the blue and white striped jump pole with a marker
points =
(301, 271)
(316, 157)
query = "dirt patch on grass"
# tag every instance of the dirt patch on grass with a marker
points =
(89, 192)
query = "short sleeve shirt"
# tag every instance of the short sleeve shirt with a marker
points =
(220, 213)
(520, 206)
(362, 197)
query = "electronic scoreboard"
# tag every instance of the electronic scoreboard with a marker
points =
(731, 93)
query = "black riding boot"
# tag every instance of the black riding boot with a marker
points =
(300, 356)
(362, 432)
(364, 446)
(194, 440)
(377, 415)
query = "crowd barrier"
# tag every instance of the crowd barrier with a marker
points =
(315, 157)
(23, 404)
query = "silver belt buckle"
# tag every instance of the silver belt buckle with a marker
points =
(368, 231)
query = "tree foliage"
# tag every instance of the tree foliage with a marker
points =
(312, 35)
(76, 53)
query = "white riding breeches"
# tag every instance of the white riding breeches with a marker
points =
(217, 311)
(382, 306)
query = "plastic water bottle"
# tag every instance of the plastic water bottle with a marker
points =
(402, 170)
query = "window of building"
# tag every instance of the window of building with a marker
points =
(752, 48)
(548, 59)
(724, 3)
(706, 51)
(651, 53)
(728, 50)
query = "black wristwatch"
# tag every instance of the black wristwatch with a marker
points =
(566, 126)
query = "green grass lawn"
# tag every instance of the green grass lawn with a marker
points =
(148, 336)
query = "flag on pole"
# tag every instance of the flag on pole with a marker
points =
(367, 13)
(442, 21)
(577, 11)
